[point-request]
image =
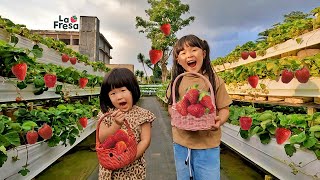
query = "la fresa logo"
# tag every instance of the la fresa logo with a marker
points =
(66, 23)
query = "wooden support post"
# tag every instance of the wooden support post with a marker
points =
(310, 111)
(268, 177)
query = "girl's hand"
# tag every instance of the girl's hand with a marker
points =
(217, 124)
(118, 117)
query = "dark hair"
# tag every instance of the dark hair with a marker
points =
(117, 78)
(192, 41)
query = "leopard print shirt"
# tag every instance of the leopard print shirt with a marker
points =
(136, 170)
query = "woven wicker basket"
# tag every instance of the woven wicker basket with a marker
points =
(190, 122)
(109, 158)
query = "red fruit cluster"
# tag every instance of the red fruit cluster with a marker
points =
(65, 58)
(50, 80)
(166, 28)
(155, 55)
(118, 140)
(195, 103)
(45, 131)
(245, 122)
(83, 82)
(246, 54)
(253, 81)
(32, 137)
(83, 122)
(282, 135)
(121, 147)
(73, 60)
(302, 75)
(20, 70)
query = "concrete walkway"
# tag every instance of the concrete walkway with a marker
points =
(159, 156)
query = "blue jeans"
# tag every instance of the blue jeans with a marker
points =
(200, 164)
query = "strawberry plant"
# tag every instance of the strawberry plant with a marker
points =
(60, 46)
(292, 129)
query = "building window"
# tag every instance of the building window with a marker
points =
(75, 42)
(66, 41)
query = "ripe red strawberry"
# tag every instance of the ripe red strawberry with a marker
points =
(196, 110)
(192, 95)
(18, 99)
(302, 75)
(32, 137)
(20, 70)
(83, 121)
(245, 122)
(65, 58)
(182, 106)
(253, 81)
(121, 147)
(245, 55)
(253, 54)
(206, 101)
(282, 134)
(45, 131)
(286, 76)
(155, 55)
(50, 80)
(73, 60)
(165, 28)
(121, 135)
(83, 82)
(110, 142)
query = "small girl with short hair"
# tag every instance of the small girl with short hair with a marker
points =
(119, 94)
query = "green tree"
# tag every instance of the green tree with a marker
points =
(141, 59)
(295, 15)
(141, 75)
(137, 73)
(161, 12)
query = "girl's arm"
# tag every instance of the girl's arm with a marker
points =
(222, 117)
(169, 110)
(223, 114)
(145, 139)
(105, 131)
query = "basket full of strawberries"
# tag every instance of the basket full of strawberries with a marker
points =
(196, 110)
(118, 150)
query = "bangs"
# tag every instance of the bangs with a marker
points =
(189, 41)
(115, 81)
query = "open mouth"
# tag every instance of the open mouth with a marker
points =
(122, 103)
(192, 63)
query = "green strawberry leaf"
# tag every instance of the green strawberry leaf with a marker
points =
(13, 138)
(3, 158)
(315, 128)
(28, 125)
(311, 141)
(290, 149)
(244, 134)
(265, 138)
(298, 138)
(24, 171)
(21, 84)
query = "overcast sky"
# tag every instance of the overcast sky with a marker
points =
(223, 23)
